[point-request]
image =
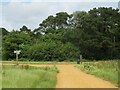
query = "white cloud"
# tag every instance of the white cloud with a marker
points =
(62, 0)
(31, 14)
(17, 14)
(0, 14)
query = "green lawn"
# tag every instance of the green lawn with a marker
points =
(107, 70)
(29, 77)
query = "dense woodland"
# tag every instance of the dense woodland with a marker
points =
(94, 34)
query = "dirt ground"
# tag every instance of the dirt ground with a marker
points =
(71, 77)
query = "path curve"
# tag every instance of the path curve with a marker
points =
(71, 77)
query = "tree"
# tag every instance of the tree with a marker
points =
(4, 31)
(94, 34)
(62, 20)
(48, 24)
(14, 41)
(25, 29)
(54, 23)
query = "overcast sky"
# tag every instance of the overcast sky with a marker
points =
(16, 13)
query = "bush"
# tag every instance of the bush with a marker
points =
(50, 51)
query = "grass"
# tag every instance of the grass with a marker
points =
(0, 77)
(29, 77)
(37, 62)
(107, 70)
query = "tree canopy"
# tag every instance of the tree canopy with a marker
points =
(94, 34)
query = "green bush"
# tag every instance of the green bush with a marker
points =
(49, 51)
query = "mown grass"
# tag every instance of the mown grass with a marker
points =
(107, 70)
(29, 77)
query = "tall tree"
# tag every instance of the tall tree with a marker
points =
(54, 23)
(25, 29)
(4, 31)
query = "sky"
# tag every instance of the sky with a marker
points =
(16, 13)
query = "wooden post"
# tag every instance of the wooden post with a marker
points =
(80, 59)
(17, 58)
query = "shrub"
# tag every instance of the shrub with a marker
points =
(50, 51)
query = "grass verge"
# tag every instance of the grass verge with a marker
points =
(107, 70)
(29, 77)
(37, 62)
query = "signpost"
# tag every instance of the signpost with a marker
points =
(17, 53)
(79, 59)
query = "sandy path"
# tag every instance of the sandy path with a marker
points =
(41, 65)
(71, 77)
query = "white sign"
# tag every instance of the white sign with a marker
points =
(17, 51)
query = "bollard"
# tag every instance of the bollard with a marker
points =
(78, 61)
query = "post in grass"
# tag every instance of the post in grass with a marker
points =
(17, 53)
(81, 59)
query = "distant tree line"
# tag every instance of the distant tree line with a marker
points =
(94, 34)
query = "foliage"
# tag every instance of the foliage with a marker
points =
(15, 41)
(94, 34)
(4, 31)
(52, 51)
